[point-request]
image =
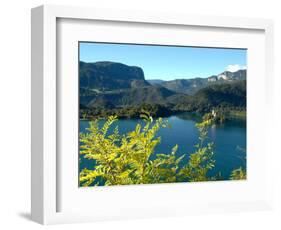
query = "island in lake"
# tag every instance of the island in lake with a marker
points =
(139, 130)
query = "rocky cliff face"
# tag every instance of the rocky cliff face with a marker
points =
(110, 76)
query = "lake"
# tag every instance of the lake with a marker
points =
(229, 140)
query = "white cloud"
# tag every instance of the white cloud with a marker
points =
(234, 68)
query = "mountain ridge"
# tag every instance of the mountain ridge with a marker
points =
(192, 85)
(106, 87)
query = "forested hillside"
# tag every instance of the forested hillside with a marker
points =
(108, 88)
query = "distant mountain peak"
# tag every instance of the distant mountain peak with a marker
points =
(192, 85)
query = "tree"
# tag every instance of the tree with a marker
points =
(238, 174)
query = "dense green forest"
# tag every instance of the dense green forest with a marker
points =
(224, 98)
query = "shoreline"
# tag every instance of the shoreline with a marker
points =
(191, 115)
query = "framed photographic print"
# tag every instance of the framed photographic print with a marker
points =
(137, 114)
(137, 128)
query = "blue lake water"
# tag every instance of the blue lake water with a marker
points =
(229, 140)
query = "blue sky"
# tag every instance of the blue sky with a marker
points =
(167, 62)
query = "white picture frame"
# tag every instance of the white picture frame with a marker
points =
(45, 91)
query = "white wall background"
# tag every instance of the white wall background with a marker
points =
(15, 112)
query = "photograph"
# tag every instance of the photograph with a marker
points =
(151, 114)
